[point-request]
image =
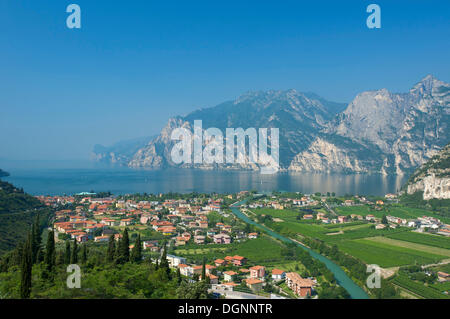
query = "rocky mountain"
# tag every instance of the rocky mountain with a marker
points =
(119, 153)
(378, 131)
(432, 178)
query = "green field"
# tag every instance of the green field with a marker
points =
(262, 249)
(414, 246)
(423, 238)
(418, 288)
(385, 255)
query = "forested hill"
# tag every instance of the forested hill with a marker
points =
(3, 173)
(17, 212)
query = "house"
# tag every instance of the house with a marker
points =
(370, 217)
(174, 261)
(342, 219)
(254, 284)
(238, 260)
(220, 262)
(308, 216)
(380, 226)
(299, 286)
(126, 222)
(229, 275)
(379, 202)
(442, 276)
(253, 235)
(101, 239)
(213, 279)
(278, 274)
(199, 239)
(257, 272)
(222, 239)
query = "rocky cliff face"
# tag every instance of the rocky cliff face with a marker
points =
(378, 131)
(432, 178)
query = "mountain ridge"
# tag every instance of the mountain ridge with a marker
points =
(378, 132)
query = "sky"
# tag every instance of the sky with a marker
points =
(133, 64)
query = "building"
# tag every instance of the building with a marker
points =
(257, 272)
(299, 286)
(174, 261)
(278, 274)
(229, 275)
(442, 276)
(254, 284)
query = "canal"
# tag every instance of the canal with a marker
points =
(342, 278)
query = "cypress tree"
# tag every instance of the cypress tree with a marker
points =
(50, 253)
(84, 254)
(36, 239)
(67, 254)
(125, 249)
(26, 269)
(136, 252)
(111, 249)
(117, 252)
(203, 270)
(74, 257)
(178, 277)
(164, 263)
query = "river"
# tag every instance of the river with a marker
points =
(342, 278)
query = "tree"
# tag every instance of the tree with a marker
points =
(111, 249)
(125, 247)
(384, 220)
(164, 263)
(136, 252)
(67, 254)
(26, 268)
(84, 254)
(74, 257)
(204, 269)
(50, 253)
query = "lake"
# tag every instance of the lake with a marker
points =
(54, 181)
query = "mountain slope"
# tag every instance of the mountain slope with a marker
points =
(379, 131)
(17, 212)
(432, 178)
(387, 132)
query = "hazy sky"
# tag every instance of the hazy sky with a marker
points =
(135, 63)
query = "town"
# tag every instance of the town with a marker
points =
(204, 238)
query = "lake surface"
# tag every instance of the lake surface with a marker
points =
(341, 277)
(54, 181)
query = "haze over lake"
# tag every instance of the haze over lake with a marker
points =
(54, 181)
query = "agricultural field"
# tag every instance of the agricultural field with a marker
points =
(418, 288)
(423, 238)
(414, 246)
(384, 255)
(257, 250)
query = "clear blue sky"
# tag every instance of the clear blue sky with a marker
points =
(135, 63)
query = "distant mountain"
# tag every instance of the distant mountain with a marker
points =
(119, 153)
(378, 131)
(432, 178)
(3, 173)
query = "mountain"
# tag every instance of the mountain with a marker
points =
(384, 132)
(379, 131)
(119, 153)
(300, 117)
(3, 173)
(432, 178)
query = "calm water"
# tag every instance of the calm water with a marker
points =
(342, 278)
(54, 181)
